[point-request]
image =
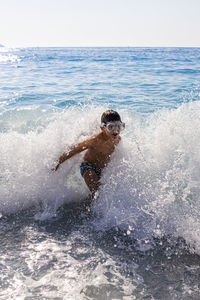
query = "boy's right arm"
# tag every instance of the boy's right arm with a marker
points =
(79, 148)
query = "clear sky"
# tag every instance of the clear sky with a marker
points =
(27, 23)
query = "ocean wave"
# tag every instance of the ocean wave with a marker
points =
(4, 58)
(150, 188)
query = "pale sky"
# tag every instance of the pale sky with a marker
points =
(26, 23)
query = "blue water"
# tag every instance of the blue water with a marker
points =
(140, 240)
(141, 79)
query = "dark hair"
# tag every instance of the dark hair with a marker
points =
(109, 116)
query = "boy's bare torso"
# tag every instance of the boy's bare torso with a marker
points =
(100, 149)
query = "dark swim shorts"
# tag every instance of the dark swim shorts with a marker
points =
(88, 166)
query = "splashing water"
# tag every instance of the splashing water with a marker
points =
(140, 238)
(150, 185)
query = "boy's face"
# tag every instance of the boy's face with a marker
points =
(112, 129)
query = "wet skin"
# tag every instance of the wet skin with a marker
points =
(98, 152)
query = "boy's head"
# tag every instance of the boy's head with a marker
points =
(110, 116)
(111, 123)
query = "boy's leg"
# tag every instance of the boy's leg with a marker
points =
(92, 180)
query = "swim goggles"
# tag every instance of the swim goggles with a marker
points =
(111, 126)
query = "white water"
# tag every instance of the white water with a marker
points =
(151, 186)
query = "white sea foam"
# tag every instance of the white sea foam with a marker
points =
(151, 186)
(9, 58)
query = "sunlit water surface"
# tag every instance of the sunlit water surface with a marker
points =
(140, 239)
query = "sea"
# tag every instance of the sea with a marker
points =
(140, 238)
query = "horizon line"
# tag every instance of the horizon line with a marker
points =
(128, 46)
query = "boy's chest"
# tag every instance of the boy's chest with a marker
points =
(104, 148)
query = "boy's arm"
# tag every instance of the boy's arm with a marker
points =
(75, 150)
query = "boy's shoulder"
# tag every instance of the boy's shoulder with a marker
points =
(97, 137)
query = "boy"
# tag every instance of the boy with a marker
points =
(99, 149)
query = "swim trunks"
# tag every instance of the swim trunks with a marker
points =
(85, 166)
